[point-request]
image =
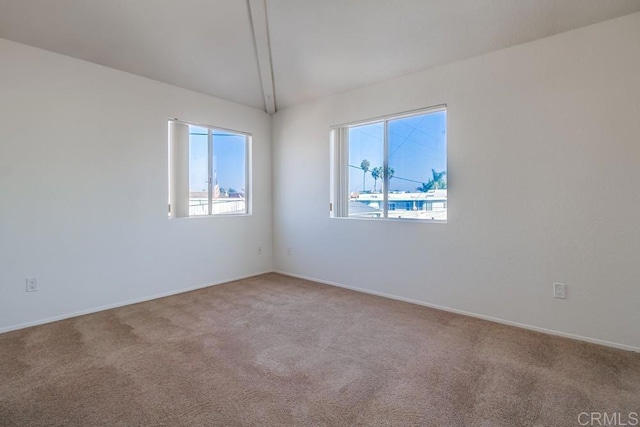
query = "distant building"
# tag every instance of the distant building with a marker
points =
(429, 205)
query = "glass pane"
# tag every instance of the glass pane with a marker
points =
(418, 167)
(229, 172)
(198, 171)
(366, 155)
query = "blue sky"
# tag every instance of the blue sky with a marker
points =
(229, 154)
(417, 144)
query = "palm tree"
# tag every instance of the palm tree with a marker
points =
(426, 186)
(376, 174)
(390, 172)
(438, 178)
(434, 183)
(365, 168)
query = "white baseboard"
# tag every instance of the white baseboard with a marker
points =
(326, 282)
(123, 303)
(468, 313)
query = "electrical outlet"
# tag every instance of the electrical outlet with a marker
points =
(559, 290)
(288, 251)
(259, 251)
(32, 284)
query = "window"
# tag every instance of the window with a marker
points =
(208, 171)
(393, 167)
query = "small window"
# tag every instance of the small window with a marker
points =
(393, 167)
(208, 173)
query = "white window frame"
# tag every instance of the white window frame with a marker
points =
(179, 172)
(339, 175)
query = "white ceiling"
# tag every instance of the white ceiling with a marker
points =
(317, 47)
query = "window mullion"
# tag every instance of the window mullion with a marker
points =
(248, 186)
(210, 167)
(385, 169)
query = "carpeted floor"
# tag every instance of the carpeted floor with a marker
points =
(277, 351)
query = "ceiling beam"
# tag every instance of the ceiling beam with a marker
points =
(260, 27)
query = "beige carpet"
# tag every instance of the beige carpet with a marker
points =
(274, 350)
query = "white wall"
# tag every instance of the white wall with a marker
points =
(83, 190)
(544, 186)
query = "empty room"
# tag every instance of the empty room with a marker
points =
(319, 213)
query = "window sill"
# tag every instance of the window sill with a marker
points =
(212, 216)
(415, 221)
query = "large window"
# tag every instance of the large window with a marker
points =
(208, 170)
(394, 167)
